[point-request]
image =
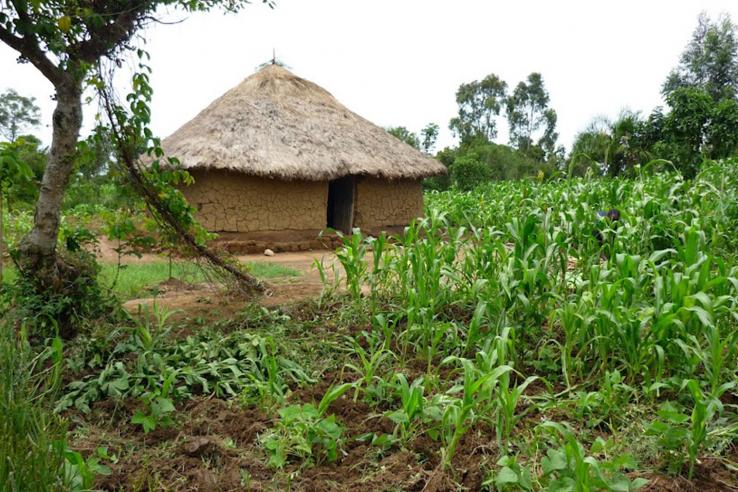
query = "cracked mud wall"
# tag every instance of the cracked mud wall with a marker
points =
(381, 203)
(228, 201)
(233, 202)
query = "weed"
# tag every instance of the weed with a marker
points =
(305, 432)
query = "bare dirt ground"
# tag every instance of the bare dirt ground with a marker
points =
(290, 289)
(203, 298)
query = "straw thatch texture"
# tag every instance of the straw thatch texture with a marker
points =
(277, 125)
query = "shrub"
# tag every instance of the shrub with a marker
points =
(467, 172)
(77, 300)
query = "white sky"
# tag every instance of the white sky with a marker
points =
(399, 62)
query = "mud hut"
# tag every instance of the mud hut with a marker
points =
(279, 158)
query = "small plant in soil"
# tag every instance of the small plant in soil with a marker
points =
(305, 432)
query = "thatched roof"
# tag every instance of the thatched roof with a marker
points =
(275, 124)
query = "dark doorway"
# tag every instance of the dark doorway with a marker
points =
(341, 204)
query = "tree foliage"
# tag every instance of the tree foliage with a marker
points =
(425, 141)
(428, 137)
(696, 128)
(18, 114)
(480, 103)
(31, 154)
(609, 147)
(13, 172)
(468, 171)
(478, 161)
(405, 135)
(528, 114)
(710, 60)
(69, 42)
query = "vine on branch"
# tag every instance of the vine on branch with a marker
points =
(156, 178)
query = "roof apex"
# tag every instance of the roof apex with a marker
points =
(276, 124)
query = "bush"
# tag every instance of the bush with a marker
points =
(467, 172)
(75, 301)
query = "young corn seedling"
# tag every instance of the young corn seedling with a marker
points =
(269, 392)
(568, 467)
(387, 327)
(475, 325)
(330, 279)
(352, 258)
(305, 432)
(377, 278)
(459, 414)
(412, 405)
(152, 328)
(507, 402)
(369, 362)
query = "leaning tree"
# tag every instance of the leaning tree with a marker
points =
(67, 40)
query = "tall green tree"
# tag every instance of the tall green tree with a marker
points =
(696, 128)
(429, 137)
(710, 60)
(425, 141)
(17, 114)
(405, 135)
(589, 150)
(532, 123)
(480, 103)
(609, 147)
(66, 41)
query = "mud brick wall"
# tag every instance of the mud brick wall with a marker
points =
(233, 202)
(382, 203)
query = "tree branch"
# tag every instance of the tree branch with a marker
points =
(128, 157)
(29, 49)
(102, 40)
(28, 46)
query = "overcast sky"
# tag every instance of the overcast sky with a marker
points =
(399, 62)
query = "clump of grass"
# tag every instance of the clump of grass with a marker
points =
(32, 444)
(271, 270)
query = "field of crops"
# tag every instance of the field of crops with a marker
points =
(498, 345)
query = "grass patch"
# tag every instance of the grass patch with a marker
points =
(263, 269)
(32, 442)
(134, 280)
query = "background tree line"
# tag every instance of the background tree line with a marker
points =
(482, 106)
(92, 181)
(699, 122)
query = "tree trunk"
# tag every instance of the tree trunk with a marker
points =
(38, 248)
(2, 236)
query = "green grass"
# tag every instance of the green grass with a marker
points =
(32, 442)
(9, 274)
(136, 280)
(272, 270)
